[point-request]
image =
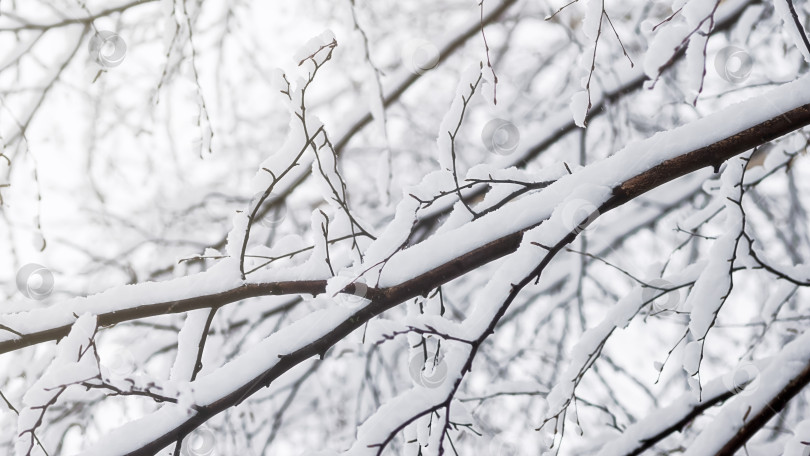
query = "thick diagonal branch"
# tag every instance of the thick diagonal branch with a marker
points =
(383, 299)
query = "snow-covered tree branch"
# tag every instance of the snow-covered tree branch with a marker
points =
(464, 227)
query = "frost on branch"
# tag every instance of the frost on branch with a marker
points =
(787, 366)
(793, 21)
(686, 30)
(75, 362)
(714, 286)
(581, 101)
(367, 301)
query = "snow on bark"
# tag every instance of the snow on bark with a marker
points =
(593, 340)
(787, 365)
(581, 101)
(413, 403)
(454, 115)
(791, 27)
(74, 362)
(187, 344)
(440, 248)
(714, 285)
(628, 162)
(659, 420)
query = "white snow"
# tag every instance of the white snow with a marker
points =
(789, 25)
(787, 365)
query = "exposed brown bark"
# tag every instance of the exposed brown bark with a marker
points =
(596, 110)
(757, 421)
(445, 52)
(449, 49)
(386, 298)
(712, 155)
(709, 156)
(646, 444)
